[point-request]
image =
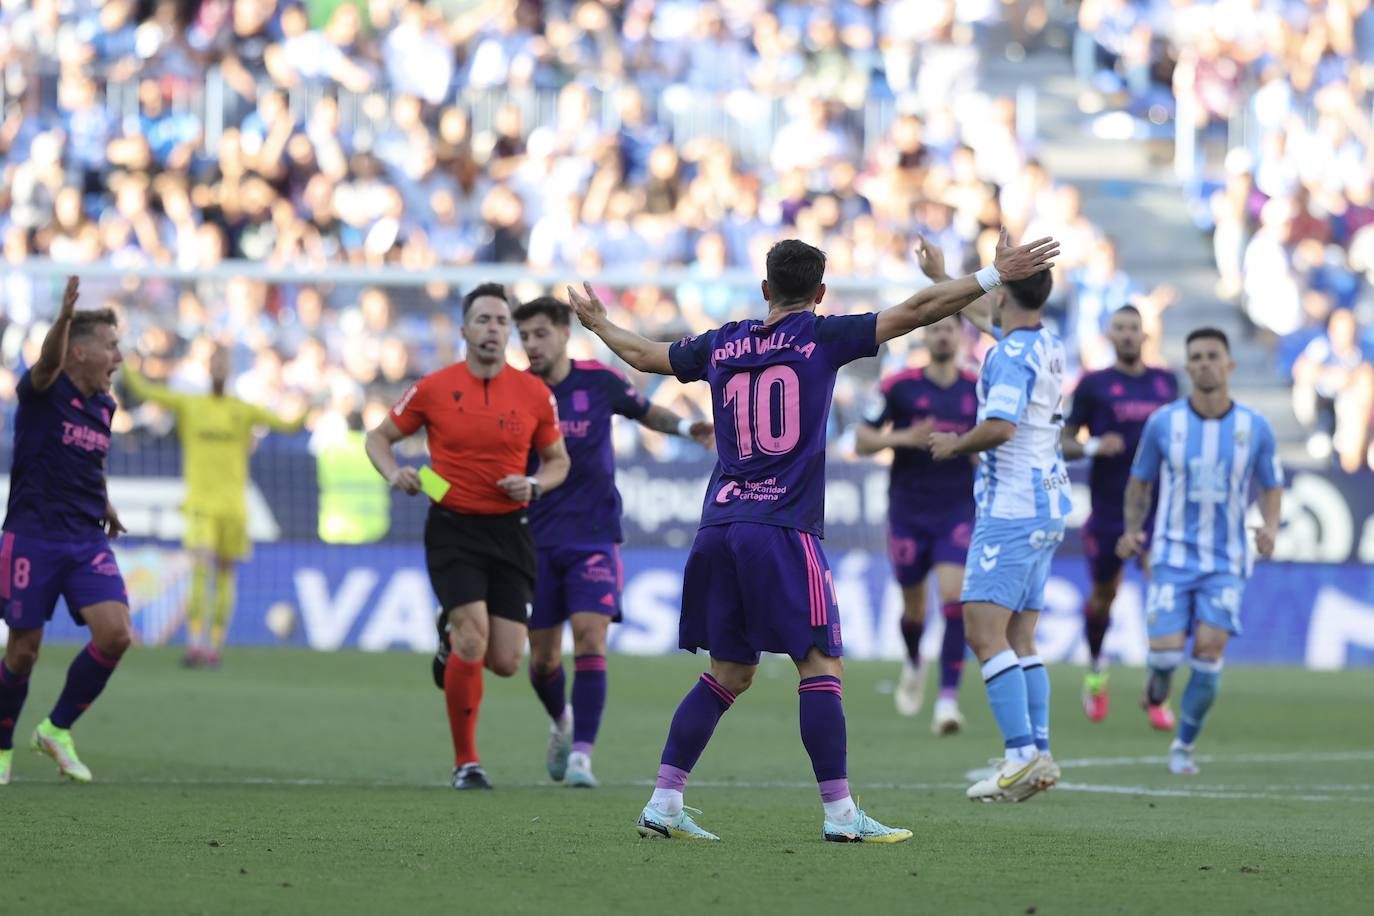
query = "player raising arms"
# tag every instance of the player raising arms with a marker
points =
(929, 508)
(756, 579)
(1112, 405)
(58, 528)
(577, 533)
(1204, 450)
(1022, 496)
(216, 433)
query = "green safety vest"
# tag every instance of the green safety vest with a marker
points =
(355, 502)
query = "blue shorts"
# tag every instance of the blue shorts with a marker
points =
(1179, 599)
(751, 588)
(1009, 562)
(916, 545)
(572, 579)
(35, 572)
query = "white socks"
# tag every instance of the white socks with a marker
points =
(669, 801)
(840, 811)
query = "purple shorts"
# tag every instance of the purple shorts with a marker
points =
(751, 588)
(35, 572)
(570, 580)
(916, 545)
(1099, 546)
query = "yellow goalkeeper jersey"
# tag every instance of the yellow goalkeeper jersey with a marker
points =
(216, 433)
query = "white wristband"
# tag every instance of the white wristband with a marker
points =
(988, 278)
(684, 428)
(1092, 447)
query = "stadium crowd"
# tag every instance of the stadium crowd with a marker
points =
(1285, 86)
(394, 134)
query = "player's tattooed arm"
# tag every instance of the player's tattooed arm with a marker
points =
(1137, 508)
(54, 352)
(1271, 509)
(662, 420)
(944, 299)
(640, 352)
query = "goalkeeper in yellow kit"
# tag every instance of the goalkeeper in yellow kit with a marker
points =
(216, 432)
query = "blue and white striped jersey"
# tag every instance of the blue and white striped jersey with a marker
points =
(1022, 382)
(1204, 468)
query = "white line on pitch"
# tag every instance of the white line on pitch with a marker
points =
(1299, 757)
(1223, 792)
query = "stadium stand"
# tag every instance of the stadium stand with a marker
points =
(399, 134)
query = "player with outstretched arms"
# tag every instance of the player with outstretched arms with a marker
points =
(58, 528)
(1204, 451)
(1111, 406)
(756, 579)
(1022, 495)
(577, 533)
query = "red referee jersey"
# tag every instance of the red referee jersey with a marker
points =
(480, 430)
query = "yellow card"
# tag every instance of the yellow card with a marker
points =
(434, 486)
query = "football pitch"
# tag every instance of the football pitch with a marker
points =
(300, 782)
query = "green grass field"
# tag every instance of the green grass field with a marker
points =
(294, 782)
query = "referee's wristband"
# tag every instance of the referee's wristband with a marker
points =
(684, 428)
(535, 489)
(988, 278)
(1092, 447)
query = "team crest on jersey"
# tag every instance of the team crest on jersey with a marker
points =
(1242, 439)
(457, 396)
(1118, 390)
(579, 401)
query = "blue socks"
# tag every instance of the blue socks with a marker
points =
(1198, 697)
(1038, 700)
(1007, 696)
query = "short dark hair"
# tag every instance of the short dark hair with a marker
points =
(795, 271)
(560, 313)
(1031, 292)
(86, 321)
(1128, 310)
(1208, 334)
(496, 290)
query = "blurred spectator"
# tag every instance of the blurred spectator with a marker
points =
(572, 137)
(1333, 392)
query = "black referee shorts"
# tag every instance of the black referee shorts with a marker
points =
(481, 558)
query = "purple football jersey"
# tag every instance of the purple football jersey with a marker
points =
(57, 479)
(1110, 401)
(921, 487)
(770, 393)
(585, 509)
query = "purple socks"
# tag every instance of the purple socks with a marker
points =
(692, 727)
(550, 687)
(912, 630)
(13, 691)
(87, 676)
(952, 650)
(588, 700)
(823, 734)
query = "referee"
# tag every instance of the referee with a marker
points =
(483, 418)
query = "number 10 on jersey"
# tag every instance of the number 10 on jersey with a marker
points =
(767, 410)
